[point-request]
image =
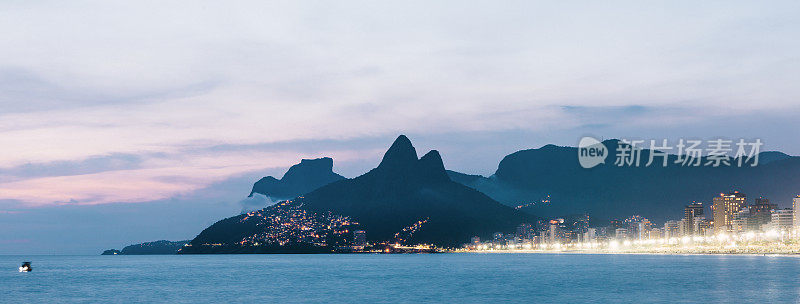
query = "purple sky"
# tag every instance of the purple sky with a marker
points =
(112, 113)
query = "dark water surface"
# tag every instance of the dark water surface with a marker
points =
(370, 278)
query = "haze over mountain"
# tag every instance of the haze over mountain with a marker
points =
(402, 191)
(608, 191)
(300, 179)
(552, 174)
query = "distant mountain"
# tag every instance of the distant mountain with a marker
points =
(301, 178)
(771, 156)
(549, 181)
(405, 199)
(463, 178)
(403, 190)
(157, 247)
(552, 174)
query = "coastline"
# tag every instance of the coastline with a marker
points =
(643, 252)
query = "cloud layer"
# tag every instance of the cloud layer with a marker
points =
(132, 102)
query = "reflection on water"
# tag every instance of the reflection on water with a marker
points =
(565, 278)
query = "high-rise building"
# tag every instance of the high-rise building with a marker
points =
(672, 229)
(725, 207)
(637, 227)
(621, 233)
(642, 230)
(552, 233)
(556, 231)
(782, 220)
(704, 226)
(761, 213)
(700, 226)
(741, 220)
(655, 233)
(589, 235)
(603, 233)
(796, 215)
(690, 212)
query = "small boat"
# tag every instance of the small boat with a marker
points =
(26, 267)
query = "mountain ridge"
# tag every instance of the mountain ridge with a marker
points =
(552, 173)
(149, 248)
(299, 179)
(431, 183)
(404, 199)
(608, 191)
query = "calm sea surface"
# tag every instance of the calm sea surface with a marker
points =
(370, 278)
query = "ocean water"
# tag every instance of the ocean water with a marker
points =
(426, 278)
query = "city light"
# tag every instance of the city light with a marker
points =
(749, 232)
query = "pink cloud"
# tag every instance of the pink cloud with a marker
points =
(163, 178)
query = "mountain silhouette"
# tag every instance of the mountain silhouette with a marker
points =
(608, 191)
(552, 173)
(157, 247)
(401, 191)
(301, 178)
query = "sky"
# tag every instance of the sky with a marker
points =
(118, 116)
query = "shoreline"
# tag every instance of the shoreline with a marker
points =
(643, 252)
